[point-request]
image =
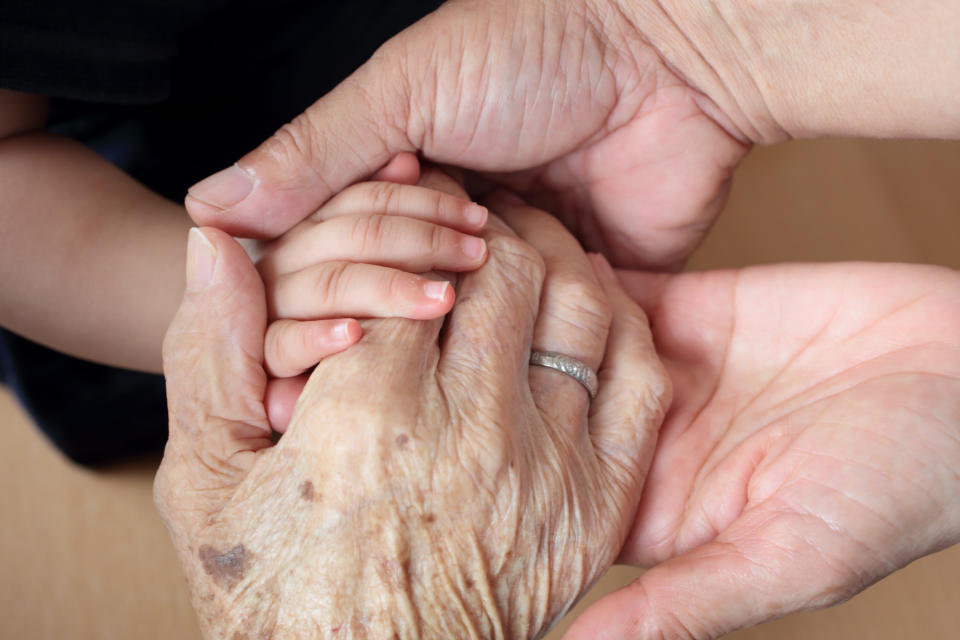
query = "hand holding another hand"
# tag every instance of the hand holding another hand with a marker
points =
(568, 103)
(811, 450)
(428, 485)
(361, 255)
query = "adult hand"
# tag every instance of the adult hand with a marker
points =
(567, 101)
(813, 446)
(426, 486)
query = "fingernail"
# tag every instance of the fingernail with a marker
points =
(223, 189)
(476, 215)
(474, 247)
(201, 260)
(436, 289)
(342, 331)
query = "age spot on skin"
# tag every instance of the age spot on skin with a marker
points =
(402, 440)
(226, 569)
(307, 491)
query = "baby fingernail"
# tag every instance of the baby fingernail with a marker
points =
(476, 215)
(436, 290)
(474, 247)
(342, 332)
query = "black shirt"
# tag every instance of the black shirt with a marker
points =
(171, 91)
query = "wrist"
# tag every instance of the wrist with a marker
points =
(771, 70)
(700, 43)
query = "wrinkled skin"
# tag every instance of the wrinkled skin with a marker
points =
(813, 446)
(569, 103)
(429, 485)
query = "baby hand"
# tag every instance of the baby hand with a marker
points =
(359, 256)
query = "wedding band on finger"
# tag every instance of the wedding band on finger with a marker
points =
(568, 366)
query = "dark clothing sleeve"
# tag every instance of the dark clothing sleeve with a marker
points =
(103, 51)
(170, 91)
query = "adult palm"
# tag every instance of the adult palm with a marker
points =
(813, 446)
(567, 101)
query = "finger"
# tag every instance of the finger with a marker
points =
(421, 202)
(344, 137)
(292, 347)
(399, 356)
(398, 242)
(338, 289)
(445, 178)
(745, 577)
(691, 596)
(212, 362)
(489, 331)
(404, 168)
(645, 288)
(280, 399)
(634, 395)
(574, 315)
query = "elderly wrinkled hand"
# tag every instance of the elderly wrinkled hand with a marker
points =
(431, 483)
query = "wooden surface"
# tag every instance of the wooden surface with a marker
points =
(83, 556)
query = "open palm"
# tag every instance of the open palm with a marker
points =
(813, 446)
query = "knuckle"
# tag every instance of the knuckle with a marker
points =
(293, 142)
(162, 491)
(584, 297)
(397, 285)
(519, 255)
(439, 238)
(330, 281)
(651, 620)
(660, 390)
(382, 196)
(438, 200)
(369, 231)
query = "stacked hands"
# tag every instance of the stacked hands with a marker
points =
(358, 255)
(774, 439)
(430, 484)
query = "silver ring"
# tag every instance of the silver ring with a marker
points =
(569, 366)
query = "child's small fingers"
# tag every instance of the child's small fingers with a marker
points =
(389, 241)
(292, 347)
(390, 199)
(338, 289)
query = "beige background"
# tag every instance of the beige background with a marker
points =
(83, 556)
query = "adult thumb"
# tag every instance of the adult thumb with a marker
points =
(212, 357)
(344, 137)
(703, 594)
